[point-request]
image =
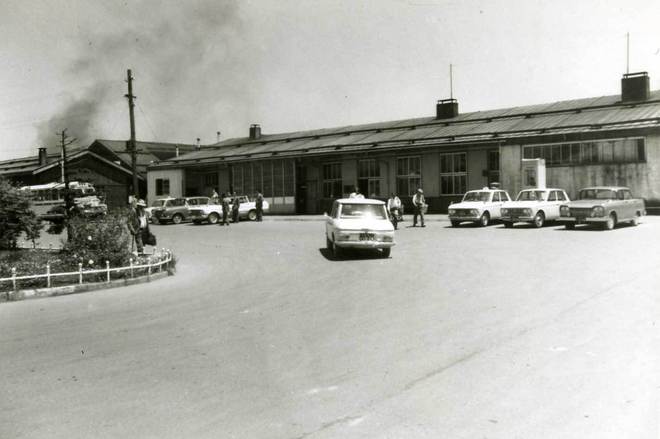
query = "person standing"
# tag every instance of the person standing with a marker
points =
(214, 196)
(418, 207)
(225, 209)
(236, 205)
(137, 223)
(259, 205)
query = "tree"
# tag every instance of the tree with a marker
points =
(16, 217)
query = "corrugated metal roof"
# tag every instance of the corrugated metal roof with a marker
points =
(557, 117)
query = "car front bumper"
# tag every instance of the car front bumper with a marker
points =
(587, 220)
(517, 219)
(464, 217)
(364, 244)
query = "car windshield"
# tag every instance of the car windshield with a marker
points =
(355, 211)
(477, 196)
(532, 196)
(158, 203)
(597, 194)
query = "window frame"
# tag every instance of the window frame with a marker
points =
(622, 150)
(453, 176)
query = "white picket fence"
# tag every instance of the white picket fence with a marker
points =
(155, 263)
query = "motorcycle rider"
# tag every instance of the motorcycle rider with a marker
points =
(394, 207)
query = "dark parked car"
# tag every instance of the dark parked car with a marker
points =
(175, 210)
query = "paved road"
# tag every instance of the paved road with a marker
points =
(463, 333)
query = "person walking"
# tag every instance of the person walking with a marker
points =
(259, 204)
(225, 209)
(234, 209)
(418, 207)
(394, 207)
(137, 224)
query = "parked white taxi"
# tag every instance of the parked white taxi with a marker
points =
(536, 206)
(359, 224)
(480, 207)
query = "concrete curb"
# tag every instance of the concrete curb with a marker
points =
(36, 293)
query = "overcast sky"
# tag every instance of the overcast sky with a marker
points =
(207, 66)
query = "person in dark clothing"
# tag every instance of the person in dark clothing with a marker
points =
(235, 206)
(419, 204)
(259, 204)
(225, 209)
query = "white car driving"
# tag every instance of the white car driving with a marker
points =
(480, 207)
(536, 206)
(359, 224)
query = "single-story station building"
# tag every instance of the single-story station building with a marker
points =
(606, 140)
(104, 163)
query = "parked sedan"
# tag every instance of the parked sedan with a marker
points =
(480, 207)
(536, 206)
(175, 210)
(603, 205)
(359, 224)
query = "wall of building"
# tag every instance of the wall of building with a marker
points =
(511, 169)
(176, 178)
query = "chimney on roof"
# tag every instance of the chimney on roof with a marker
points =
(43, 156)
(176, 152)
(217, 136)
(635, 87)
(199, 146)
(255, 131)
(446, 109)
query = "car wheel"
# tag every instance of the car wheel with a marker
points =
(252, 215)
(611, 222)
(336, 250)
(177, 218)
(570, 226)
(635, 220)
(213, 218)
(484, 220)
(508, 224)
(455, 223)
(386, 252)
(539, 220)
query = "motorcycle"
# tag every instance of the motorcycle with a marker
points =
(396, 216)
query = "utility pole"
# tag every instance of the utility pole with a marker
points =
(131, 146)
(64, 142)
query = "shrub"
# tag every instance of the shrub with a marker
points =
(16, 216)
(94, 241)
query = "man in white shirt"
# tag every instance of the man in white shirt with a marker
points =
(418, 204)
(394, 207)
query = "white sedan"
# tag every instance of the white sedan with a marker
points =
(536, 206)
(359, 224)
(480, 207)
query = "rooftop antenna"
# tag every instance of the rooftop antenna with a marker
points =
(627, 52)
(451, 81)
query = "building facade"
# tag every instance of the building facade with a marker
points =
(608, 140)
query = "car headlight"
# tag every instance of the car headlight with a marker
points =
(527, 212)
(452, 211)
(474, 212)
(598, 211)
(564, 211)
(505, 211)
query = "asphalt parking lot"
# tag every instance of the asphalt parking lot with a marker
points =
(463, 333)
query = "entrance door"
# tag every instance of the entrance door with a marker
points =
(301, 189)
(493, 166)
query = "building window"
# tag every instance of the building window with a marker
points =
(162, 186)
(211, 180)
(589, 153)
(332, 180)
(408, 175)
(453, 173)
(369, 178)
(272, 178)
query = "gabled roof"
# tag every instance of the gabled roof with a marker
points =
(23, 165)
(147, 152)
(86, 152)
(563, 117)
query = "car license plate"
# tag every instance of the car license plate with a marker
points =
(366, 236)
(579, 219)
